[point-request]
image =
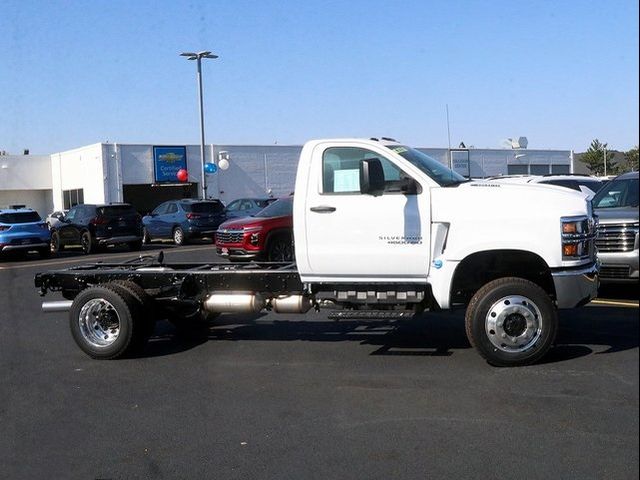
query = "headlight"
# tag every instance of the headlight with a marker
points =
(578, 234)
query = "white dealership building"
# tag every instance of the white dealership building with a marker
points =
(112, 172)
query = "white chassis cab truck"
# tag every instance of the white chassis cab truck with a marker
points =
(378, 226)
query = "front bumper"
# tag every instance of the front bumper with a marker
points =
(619, 267)
(576, 287)
(233, 253)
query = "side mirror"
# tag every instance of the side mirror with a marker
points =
(409, 186)
(371, 177)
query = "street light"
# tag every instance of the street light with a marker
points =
(199, 56)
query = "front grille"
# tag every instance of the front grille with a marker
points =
(229, 236)
(611, 271)
(616, 237)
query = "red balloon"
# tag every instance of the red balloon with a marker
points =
(182, 175)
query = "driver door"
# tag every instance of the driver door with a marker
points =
(350, 235)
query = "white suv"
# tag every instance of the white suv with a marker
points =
(581, 183)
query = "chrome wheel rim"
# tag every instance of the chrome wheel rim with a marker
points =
(513, 324)
(99, 323)
(177, 236)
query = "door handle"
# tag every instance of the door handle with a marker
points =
(323, 209)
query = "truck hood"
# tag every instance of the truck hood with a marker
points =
(527, 217)
(240, 223)
(617, 215)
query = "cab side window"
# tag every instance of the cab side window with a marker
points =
(341, 170)
(233, 206)
(172, 208)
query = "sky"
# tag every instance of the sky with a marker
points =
(560, 73)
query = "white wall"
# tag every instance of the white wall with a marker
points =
(25, 172)
(79, 168)
(40, 200)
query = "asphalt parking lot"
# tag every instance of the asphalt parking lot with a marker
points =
(306, 397)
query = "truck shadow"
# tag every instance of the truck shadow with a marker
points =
(582, 332)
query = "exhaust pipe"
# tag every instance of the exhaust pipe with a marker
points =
(57, 306)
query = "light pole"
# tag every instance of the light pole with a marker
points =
(199, 56)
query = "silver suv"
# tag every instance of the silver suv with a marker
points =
(616, 205)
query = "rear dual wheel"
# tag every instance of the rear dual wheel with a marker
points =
(110, 320)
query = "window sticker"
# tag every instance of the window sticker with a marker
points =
(346, 180)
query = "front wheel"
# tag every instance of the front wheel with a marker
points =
(280, 249)
(511, 322)
(56, 244)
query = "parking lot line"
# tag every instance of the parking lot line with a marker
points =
(84, 259)
(616, 303)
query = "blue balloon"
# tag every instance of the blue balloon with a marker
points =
(210, 168)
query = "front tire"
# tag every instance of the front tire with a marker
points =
(146, 238)
(511, 322)
(56, 244)
(280, 249)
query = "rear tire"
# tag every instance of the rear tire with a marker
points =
(105, 322)
(511, 322)
(178, 236)
(88, 245)
(146, 303)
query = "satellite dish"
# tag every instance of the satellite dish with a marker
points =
(506, 143)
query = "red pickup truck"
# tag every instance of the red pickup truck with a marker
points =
(267, 235)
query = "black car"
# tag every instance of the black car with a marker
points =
(93, 227)
(182, 220)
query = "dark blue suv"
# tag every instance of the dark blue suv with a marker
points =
(22, 230)
(182, 220)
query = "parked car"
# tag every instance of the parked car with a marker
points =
(93, 227)
(22, 230)
(616, 206)
(53, 219)
(245, 207)
(183, 220)
(580, 183)
(268, 235)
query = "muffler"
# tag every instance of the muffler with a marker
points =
(291, 304)
(234, 303)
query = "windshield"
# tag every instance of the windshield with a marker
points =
(19, 217)
(279, 208)
(443, 175)
(618, 193)
(204, 207)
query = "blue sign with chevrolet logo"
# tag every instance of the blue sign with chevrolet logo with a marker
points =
(167, 161)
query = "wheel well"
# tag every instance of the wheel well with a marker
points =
(480, 268)
(281, 232)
